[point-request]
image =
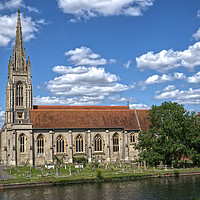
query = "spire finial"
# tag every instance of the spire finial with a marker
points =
(128, 104)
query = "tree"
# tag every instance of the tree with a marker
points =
(168, 135)
(194, 141)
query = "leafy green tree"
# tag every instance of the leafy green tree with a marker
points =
(168, 135)
(194, 141)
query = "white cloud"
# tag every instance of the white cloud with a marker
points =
(169, 88)
(190, 96)
(8, 28)
(127, 65)
(85, 84)
(14, 4)
(156, 79)
(195, 78)
(85, 56)
(70, 70)
(139, 106)
(196, 35)
(84, 100)
(87, 8)
(2, 118)
(198, 13)
(112, 61)
(81, 84)
(167, 60)
(118, 98)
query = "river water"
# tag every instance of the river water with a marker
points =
(183, 188)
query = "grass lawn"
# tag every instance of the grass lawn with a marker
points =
(69, 174)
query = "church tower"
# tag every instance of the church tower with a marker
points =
(19, 91)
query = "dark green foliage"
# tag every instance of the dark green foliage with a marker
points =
(173, 133)
(80, 160)
(99, 175)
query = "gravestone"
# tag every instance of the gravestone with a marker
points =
(70, 171)
(27, 176)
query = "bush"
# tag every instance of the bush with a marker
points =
(99, 175)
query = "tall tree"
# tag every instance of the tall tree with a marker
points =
(167, 138)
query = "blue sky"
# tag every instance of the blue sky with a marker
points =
(93, 52)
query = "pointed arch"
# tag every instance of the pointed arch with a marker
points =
(19, 93)
(22, 143)
(60, 144)
(132, 137)
(116, 139)
(79, 143)
(40, 144)
(98, 143)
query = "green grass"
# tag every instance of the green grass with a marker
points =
(87, 174)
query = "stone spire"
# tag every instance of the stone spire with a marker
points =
(19, 54)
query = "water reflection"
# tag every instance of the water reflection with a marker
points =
(184, 188)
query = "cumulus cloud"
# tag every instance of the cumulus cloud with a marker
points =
(91, 81)
(127, 65)
(81, 84)
(118, 98)
(139, 106)
(85, 56)
(191, 96)
(8, 28)
(70, 70)
(195, 78)
(156, 79)
(13, 4)
(87, 8)
(167, 60)
(84, 100)
(169, 88)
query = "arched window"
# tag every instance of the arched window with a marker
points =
(132, 138)
(98, 143)
(22, 140)
(60, 148)
(40, 145)
(19, 94)
(79, 143)
(116, 142)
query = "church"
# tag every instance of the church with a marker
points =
(34, 135)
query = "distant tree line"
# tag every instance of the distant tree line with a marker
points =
(174, 133)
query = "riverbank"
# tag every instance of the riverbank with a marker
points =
(91, 176)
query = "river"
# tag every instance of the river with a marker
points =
(183, 188)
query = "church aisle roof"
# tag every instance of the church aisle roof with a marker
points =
(83, 117)
(143, 118)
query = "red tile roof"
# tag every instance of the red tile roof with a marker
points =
(83, 117)
(143, 118)
(89, 117)
(81, 107)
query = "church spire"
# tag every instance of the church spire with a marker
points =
(19, 54)
(19, 39)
